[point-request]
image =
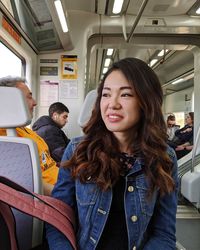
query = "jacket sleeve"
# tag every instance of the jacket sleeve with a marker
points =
(163, 223)
(58, 152)
(64, 190)
(56, 141)
(185, 136)
(180, 132)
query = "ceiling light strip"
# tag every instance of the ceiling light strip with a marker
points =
(107, 62)
(109, 52)
(61, 15)
(117, 6)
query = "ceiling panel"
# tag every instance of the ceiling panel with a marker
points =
(161, 7)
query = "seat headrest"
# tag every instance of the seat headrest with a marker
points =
(87, 107)
(14, 110)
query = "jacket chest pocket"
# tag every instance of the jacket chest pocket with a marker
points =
(147, 203)
(86, 193)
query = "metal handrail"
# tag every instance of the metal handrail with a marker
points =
(137, 20)
(195, 149)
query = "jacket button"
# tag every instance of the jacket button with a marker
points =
(134, 248)
(130, 188)
(101, 211)
(134, 218)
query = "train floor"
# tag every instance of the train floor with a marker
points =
(187, 228)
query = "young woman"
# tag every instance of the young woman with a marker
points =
(185, 134)
(121, 178)
(185, 137)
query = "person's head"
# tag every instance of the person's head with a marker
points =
(129, 100)
(20, 83)
(171, 121)
(128, 106)
(59, 113)
(189, 118)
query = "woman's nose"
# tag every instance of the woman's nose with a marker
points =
(114, 103)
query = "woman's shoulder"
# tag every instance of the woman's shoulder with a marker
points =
(76, 140)
(71, 147)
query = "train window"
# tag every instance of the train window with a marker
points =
(180, 118)
(34, 18)
(10, 63)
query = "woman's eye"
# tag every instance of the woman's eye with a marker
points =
(126, 95)
(105, 94)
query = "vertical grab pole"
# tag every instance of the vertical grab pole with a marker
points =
(195, 149)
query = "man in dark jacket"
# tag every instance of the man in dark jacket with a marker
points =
(50, 129)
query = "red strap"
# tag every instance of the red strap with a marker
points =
(55, 203)
(60, 206)
(10, 222)
(48, 209)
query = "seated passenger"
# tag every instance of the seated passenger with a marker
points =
(171, 127)
(184, 134)
(48, 165)
(50, 129)
(184, 137)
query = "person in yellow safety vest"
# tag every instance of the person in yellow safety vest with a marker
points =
(49, 167)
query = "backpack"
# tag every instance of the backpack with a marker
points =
(45, 208)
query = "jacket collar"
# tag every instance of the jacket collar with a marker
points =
(138, 166)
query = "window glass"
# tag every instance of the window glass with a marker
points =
(10, 64)
(180, 118)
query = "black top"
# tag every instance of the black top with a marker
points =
(184, 136)
(115, 235)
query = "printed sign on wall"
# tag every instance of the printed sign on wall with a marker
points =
(68, 89)
(48, 92)
(69, 67)
(48, 71)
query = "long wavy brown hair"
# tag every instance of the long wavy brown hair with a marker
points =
(97, 159)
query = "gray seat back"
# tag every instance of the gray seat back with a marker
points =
(190, 181)
(87, 107)
(19, 161)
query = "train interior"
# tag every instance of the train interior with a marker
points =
(66, 63)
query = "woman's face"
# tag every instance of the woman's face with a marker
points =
(119, 105)
(188, 120)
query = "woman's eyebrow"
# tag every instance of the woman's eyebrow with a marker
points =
(121, 88)
(125, 87)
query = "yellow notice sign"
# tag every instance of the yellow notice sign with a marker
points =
(69, 67)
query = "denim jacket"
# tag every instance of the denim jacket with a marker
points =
(92, 208)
